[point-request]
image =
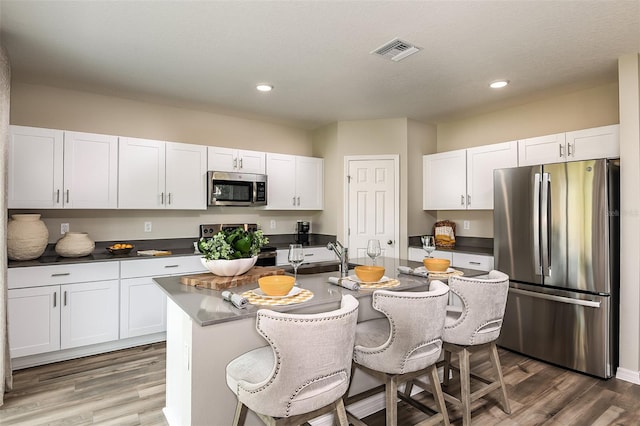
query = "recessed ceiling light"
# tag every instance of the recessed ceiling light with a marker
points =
(499, 84)
(264, 87)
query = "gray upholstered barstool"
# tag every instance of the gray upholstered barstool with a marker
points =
(303, 372)
(474, 328)
(404, 345)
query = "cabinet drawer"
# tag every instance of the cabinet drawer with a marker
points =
(161, 266)
(36, 276)
(417, 254)
(472, 261)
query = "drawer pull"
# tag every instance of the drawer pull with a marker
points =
(475, 263)
(55, 298)
(308, 254)
(65, 298)
(171, 266)
(61, 274)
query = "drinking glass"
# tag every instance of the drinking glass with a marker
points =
(428, 244)
(373, 250)
(296, 256)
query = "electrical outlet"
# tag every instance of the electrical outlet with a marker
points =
(147, 227)
(272, 224)
(64, 228)
(466, 225)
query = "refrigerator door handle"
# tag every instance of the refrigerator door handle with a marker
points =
(536, 223)
(544, 223)
(562, 299)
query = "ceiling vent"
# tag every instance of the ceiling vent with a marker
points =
(396, 50)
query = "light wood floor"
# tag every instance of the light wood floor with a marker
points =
(127, 388)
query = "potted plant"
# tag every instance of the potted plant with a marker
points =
(231, 251)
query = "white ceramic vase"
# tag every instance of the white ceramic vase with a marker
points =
(75, 244)
(27, 237)
(229, 268)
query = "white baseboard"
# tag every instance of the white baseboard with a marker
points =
(628, 375)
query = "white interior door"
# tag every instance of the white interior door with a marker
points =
(373, 204)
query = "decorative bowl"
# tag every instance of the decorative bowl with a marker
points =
(433, 264)
(120, 248)
(369, 274)
(229, 268)
(276, 285)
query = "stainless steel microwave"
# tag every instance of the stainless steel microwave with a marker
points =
(236, 189)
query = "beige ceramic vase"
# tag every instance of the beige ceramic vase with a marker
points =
(27, 237)
(75, 244)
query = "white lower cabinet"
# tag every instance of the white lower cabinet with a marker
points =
(62, 306)
(143, 306)
(479, 262)
(311, 255)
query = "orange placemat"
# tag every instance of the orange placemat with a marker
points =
(381, 284)
(256, 299)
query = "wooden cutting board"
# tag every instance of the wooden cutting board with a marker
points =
(216, 282)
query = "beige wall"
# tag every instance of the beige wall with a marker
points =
(629, 72)
(42, 106)
(594, 107)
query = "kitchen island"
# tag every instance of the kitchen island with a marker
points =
(204, 333)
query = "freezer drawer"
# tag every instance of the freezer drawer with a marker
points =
(561, 327)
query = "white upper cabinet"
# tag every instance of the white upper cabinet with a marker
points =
(161, 175)
(598, 142)
(481, 162)
(444, 180)
(235, 160)
(295, 182)
(463, 179)
(51, 168)
(587, 144)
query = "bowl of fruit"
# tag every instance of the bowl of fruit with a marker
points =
(120, 249)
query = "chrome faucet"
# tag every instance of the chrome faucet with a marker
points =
(343, 254)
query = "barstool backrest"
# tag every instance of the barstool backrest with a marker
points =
(312, 354)
(483, 303)
(416, 321)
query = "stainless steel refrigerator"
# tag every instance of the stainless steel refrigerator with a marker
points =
(556, 234)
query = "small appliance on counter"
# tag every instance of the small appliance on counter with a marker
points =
(302, 232)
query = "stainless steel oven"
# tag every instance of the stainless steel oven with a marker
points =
(236, 189)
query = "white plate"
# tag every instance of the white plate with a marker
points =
(295, 290)
(359, 281)
(449, 270)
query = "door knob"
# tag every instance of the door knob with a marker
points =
(390, 242)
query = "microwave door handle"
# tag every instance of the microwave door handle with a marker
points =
(545, 219)
(535, 215)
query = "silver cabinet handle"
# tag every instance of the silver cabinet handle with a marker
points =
(55, 298)
(65, 298)
(298, 200)
(308, 254)
(57, 196)
(61, 274)
(240, 162)
(235, 163)
(67, 195)
(569, 153)
(561, 153)
(474, 263)
(171, 266)
(169, 197)
(462, 200)
(468, 199)
(162, 198)
(294, 201)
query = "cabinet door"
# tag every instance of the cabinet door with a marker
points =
(599, 142)
(251, 161)
(416, 254)
(143, 308)
(141, 180)
(34, 320)
(309, 183)
(186, 170)
(89, 313)
(481, 162)
(90, 171)
(35, 167)
(445, 180)
(221, 159)
(542, 150)
(281, 171)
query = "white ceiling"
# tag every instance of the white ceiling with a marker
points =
(211, 54)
